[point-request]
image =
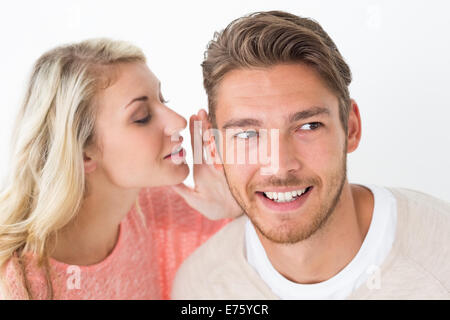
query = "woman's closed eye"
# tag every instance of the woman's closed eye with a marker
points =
(161, 98)
(143, 120)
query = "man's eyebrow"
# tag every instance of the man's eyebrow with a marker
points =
(304, 114)
(141, 98)
(239, 123)
(308, 113)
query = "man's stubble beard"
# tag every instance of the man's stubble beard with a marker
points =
(288, 235)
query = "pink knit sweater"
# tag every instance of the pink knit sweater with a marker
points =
(143, 262)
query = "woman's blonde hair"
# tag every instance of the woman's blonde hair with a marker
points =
(46, 182)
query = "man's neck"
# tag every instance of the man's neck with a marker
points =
(329, 249)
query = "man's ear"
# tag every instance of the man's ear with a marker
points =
(354, 127)
(212, 151)
(89, 163)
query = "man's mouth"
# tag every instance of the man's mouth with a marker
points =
(284, 201)
(285, 196)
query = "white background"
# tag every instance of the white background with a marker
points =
(399, 53)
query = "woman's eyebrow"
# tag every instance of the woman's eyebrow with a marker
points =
(141, 98)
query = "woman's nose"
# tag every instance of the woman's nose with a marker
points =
(174, 123)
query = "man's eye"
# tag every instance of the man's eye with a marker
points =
(143, 120)
(246, 134)
(311, 126)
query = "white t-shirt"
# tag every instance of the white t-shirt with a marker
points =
(364, 268)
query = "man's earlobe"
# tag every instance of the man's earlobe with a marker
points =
(354, 127)
(213, 153)
(89, 163)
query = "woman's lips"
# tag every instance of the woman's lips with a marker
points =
(179, 154)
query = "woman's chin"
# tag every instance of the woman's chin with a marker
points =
(177, 175)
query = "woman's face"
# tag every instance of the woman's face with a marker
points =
(136, 132)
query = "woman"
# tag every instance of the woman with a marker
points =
(87, 212)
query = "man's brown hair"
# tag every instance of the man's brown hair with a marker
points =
(264, 39)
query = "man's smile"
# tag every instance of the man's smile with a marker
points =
(284, 201)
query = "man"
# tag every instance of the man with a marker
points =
(306, 233)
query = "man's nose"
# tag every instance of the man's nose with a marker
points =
(287, 158)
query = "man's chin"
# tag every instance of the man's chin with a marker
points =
(278, 231)
(289, 227)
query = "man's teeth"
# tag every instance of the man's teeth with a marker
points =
(285, 196)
